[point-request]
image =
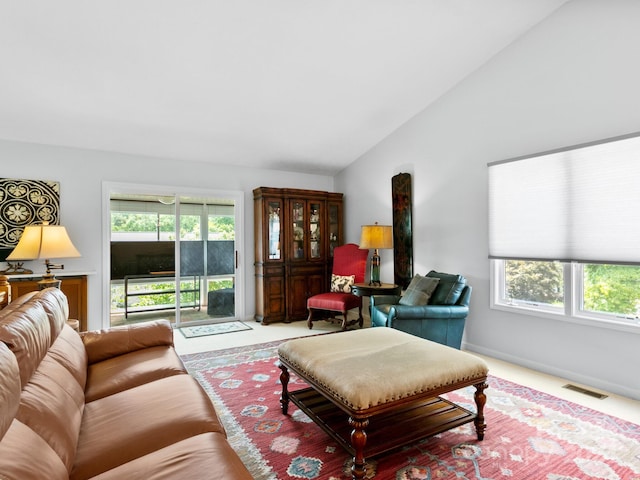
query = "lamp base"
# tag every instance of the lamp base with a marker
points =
(49, 281)
(375, 269)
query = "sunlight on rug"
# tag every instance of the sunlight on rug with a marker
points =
(530, 435)
(214, 329)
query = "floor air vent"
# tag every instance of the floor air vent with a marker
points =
(585, 391)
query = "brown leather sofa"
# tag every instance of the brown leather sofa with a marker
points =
(108, 404)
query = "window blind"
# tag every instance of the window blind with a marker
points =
(578, 204)
(137, 206)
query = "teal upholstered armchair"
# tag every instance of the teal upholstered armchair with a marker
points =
(434, 307)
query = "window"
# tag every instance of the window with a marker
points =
(563, 232)
(607, 292)
(533, 284)
(610, 290)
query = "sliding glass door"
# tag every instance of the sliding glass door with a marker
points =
(173, 256)
(207, 252)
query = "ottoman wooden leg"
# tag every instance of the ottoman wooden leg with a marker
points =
(358, 441)
(480, 399)
(284, 380)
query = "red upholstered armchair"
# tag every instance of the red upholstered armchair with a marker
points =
(349, 265)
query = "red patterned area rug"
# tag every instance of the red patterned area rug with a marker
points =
(530, 435)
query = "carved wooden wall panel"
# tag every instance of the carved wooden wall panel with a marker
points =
(402, 224)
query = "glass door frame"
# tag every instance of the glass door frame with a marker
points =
(114, 188)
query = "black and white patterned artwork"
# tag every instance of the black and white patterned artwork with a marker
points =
(24, 202)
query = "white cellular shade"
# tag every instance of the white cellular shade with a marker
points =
(578, 204)
(133, 206)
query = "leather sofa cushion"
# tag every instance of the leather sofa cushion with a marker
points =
(56, 305)
(52, 367)
(131, 370)
(51, 405)
(27, 333)
(448, 290)
(69, 352)
(16, 303)
(104, 344)
(25, 455)
(9, 388)
(189, 458)
(130, 424)
(30, 325)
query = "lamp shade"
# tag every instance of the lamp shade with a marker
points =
(376, 236)
(44, 242)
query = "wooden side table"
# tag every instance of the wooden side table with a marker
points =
(366, 290)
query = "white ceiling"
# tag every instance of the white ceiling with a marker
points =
(299, 85)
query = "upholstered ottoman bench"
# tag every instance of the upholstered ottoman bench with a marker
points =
(377, 389)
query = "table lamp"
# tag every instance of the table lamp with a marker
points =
(45, 242)
(376, 237)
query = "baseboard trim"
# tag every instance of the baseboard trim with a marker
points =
(594, 382)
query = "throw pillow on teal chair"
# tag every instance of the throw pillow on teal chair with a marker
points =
(419, 290)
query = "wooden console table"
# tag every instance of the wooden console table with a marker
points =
(74, 286)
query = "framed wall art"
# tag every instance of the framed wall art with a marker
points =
(22, 203)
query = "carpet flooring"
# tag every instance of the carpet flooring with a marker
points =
(530, 434)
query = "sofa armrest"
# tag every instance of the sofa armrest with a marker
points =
(383, 299)
(103, 344)
(408, 312)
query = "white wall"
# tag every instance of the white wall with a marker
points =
(81, 174)
(574, 78)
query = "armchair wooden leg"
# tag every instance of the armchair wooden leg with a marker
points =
(309, 319)
(344, 319)
(360, 319)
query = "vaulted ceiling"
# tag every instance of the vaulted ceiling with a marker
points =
(305, 86)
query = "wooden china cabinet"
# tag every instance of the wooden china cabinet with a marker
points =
(295, 234)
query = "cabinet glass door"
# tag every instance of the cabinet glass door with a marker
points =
(297, 216)
(274, 230)
(314, 230)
